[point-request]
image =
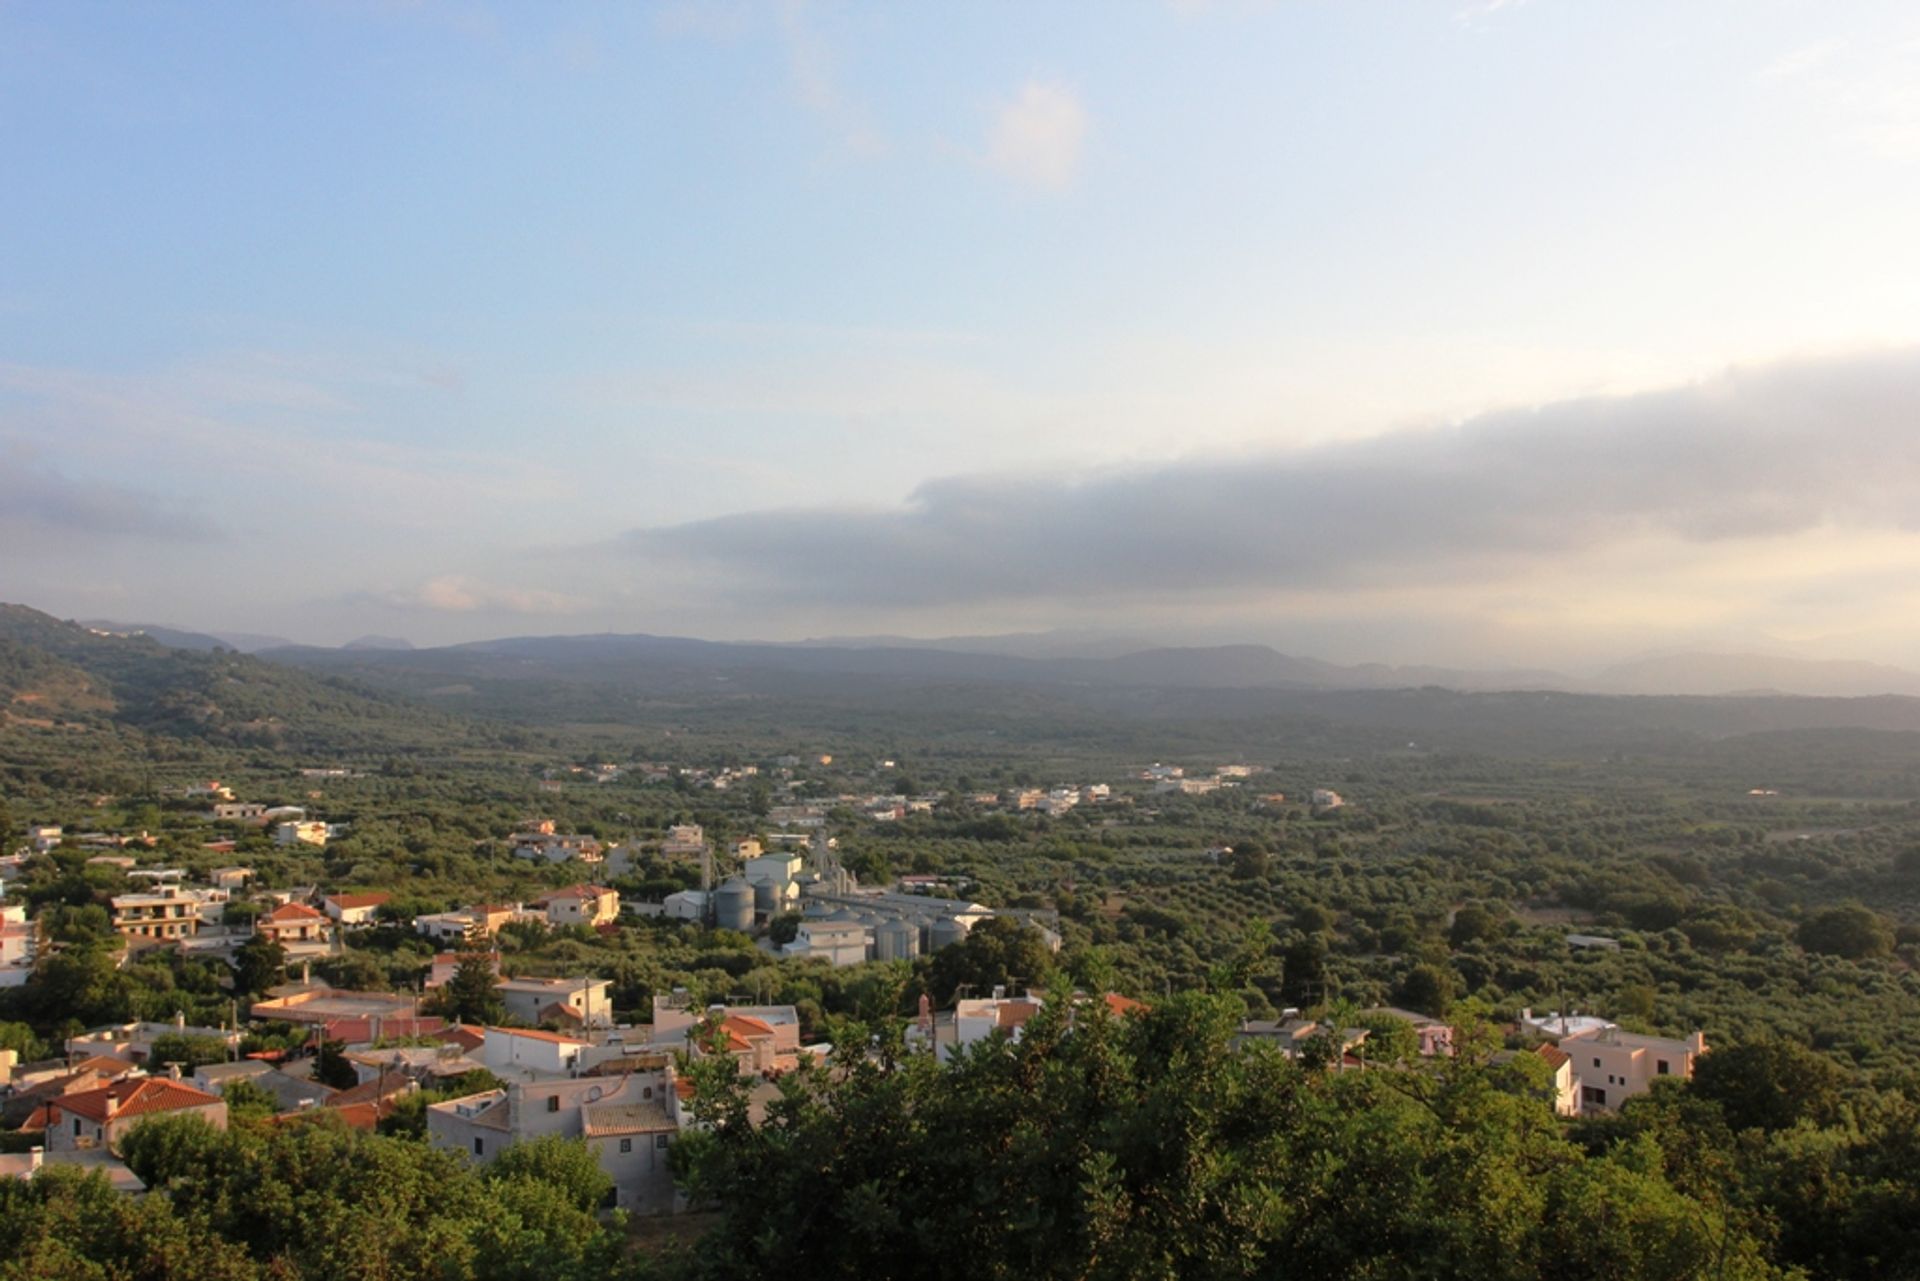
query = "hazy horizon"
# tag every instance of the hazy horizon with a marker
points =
(1481, 335)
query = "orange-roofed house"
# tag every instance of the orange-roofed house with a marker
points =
(1119, 1006)
(1566, 1099)
(355, 911)
(98, 1118)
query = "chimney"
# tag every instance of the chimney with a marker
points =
(1697, 1043)
(179, 1020)
(999, 991)
(173, 1071)
(112, 1104)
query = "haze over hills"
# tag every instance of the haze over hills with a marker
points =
(370, 698)
(185, 638)
(1694, 673)
(1070, 659)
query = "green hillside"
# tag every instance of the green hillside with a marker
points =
(58, 675)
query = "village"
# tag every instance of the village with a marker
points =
(554, 1058)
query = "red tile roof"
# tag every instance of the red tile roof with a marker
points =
(1015, 1013)
(289, 912)
(538, 1035)
(356, 1030)
(1555, 1056)
(143, 1097)
(1119, 1005)
(581, 890)
(363, 1116)
(467, 1038)
(347, 902)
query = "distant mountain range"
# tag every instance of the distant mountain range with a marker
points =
(1049, 660)
(369, 695)
(181, 638)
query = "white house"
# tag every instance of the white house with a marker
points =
(836, 942)
(354, 910)
(583, 904)
(512, 1049)
(627, 1121)
(18, 943)
(684, 839)
(580, 1001)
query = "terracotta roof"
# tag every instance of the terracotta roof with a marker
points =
(467, 1038)
(582, 890)
(39, 1119)
(1119, 1005)
(347, 902)
(559, 1012)
(683, 1086)
(364, 1116)
(599, 1120)
(747, 1025)
(1016, 1013)
(143, 1097)
(1555, 1056)
(293, 912)
(538, 1035)
(355, 1030)
(104, 1064)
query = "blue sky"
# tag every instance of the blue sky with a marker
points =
(455, 320)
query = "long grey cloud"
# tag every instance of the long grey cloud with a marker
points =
(43, 508)
(1770, 450)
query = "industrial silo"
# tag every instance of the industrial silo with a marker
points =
(946, 931)
(896, 940)
(733, 905)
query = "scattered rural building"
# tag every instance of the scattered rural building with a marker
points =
(355, 910)
(574, 1002)
(1610, 1065)
(583, 904)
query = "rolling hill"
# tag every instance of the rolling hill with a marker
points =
(69, 676)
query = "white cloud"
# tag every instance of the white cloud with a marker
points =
(1038, 136)
(816, 81)
(459, 594)
(1479, 9)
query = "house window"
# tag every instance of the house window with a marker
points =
(1660, 1066)
(659, 1140)
(1596, 1062)
(626, 1146)
(76, 1127)
(646, 1091)
(479, 1147)
(1593, 1094)
(553, 1103)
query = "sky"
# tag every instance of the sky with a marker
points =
(1482, 332)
